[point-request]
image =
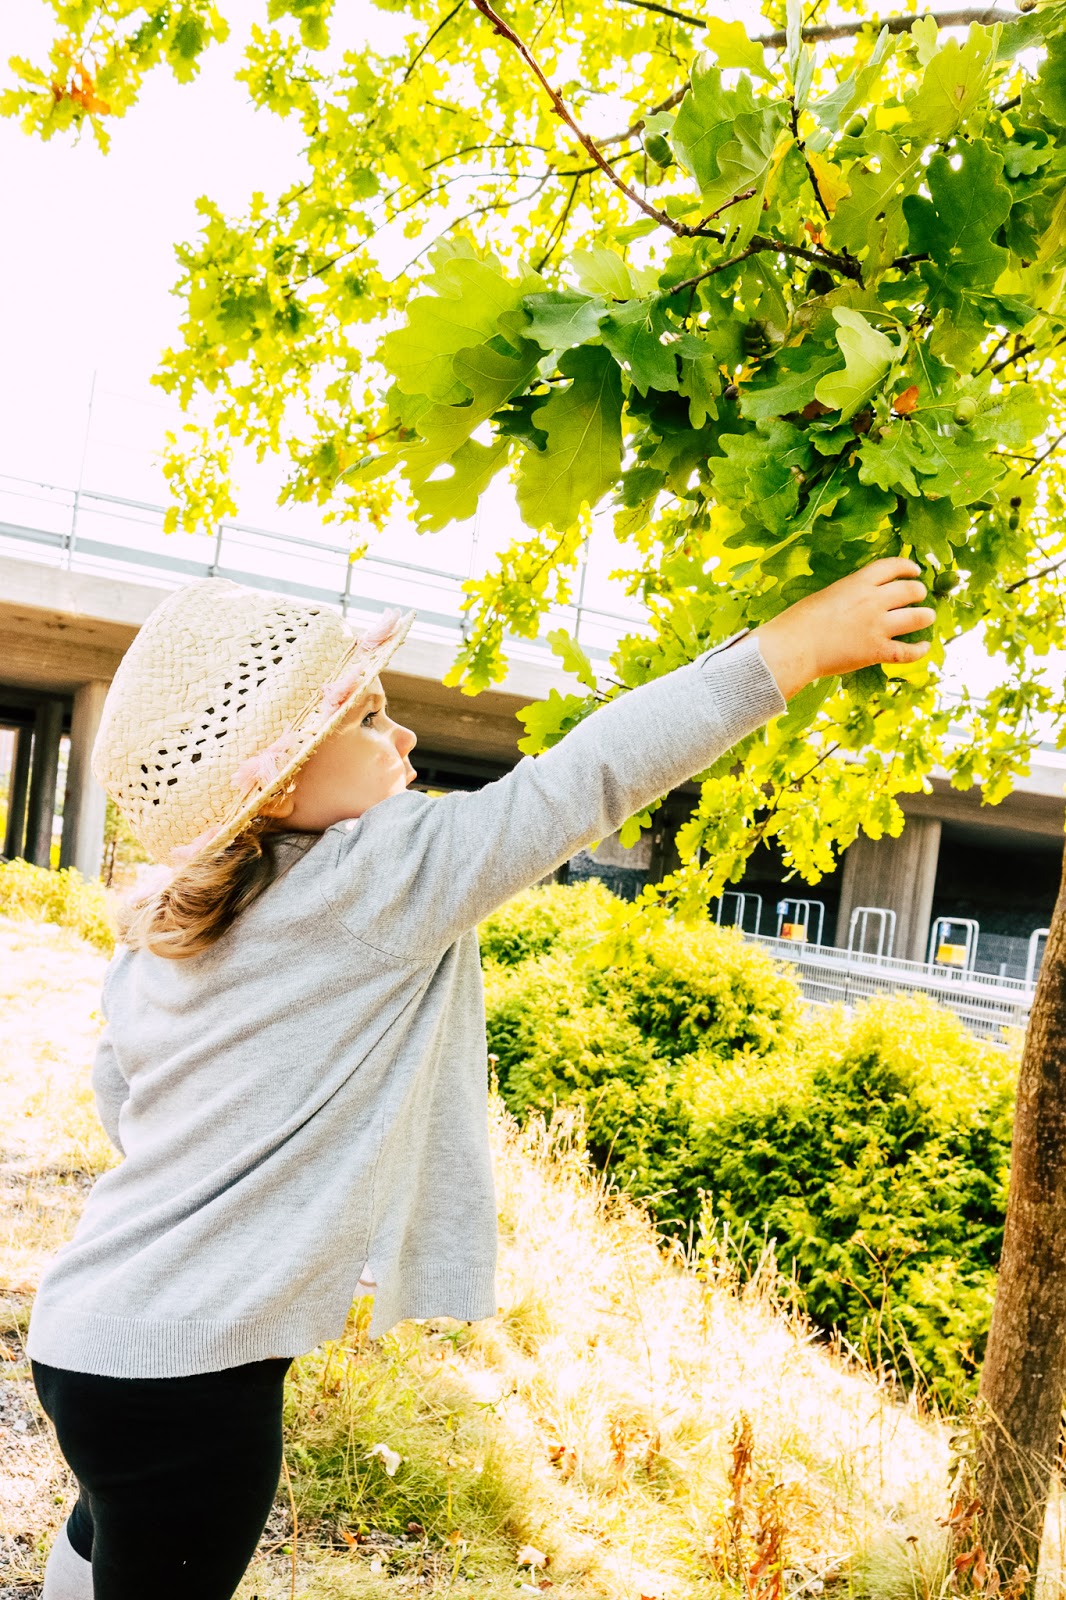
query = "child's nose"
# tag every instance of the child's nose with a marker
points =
(406, 741)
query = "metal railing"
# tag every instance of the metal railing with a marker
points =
(88, 531)
(827, 976)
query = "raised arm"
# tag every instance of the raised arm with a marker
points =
(413, 873)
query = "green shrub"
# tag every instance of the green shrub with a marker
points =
(872, 1148)
(565, 1029)
(62, 896)
(877, 1158)
(550, 917)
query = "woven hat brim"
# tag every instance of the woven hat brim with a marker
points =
(376, 659)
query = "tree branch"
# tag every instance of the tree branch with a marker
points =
(822, 32)
(846, 30)
(759, 242)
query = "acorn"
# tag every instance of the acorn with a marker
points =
(856, 127)
(945, 581)
(658, 147)
(730, 392)
(1014, 522)
(1015, 501)
(965, 410)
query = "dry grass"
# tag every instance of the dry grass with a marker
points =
(635, 1423)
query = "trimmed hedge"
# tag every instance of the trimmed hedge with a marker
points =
(63, 896)
(872, 1148)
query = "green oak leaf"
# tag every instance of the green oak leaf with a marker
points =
(756, 469)
(960, 465)
(572, 656)
(935, 527)
(454, 496)
(701, 378)
(490, 379)
(859, 512)
(639, 486)
(602, 272)
(726, 139)
(953, 85)
(733, 45)
(833, 109)
(561, 319)
(583, 455)
(467, 298)
(869, 220)
(954, 226)
(634, 334)
(891, 461)
(868, 354)
(1050, 88)
(790, 381)
(546, 721)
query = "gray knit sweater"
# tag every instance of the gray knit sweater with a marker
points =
(310, 1094)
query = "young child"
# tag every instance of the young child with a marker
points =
(294, 1062)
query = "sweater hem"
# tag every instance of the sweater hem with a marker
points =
(434, 1289)
(134, 1347)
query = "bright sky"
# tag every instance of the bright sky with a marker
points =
(88, 263)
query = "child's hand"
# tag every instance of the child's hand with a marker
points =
(856, 622)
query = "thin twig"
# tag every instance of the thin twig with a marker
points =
(848, 268)
(811, 174)
(720, 266)
(558, 227)
(1052, 447)
(295, 1519)
(420, 53)
(1032, 577)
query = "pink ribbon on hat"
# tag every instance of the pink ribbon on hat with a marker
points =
(266, 765)
(336, 692)
(184, 852)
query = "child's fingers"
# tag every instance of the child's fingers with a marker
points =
(902, 653)
(889, 568)
(909, 619)
(902, 592)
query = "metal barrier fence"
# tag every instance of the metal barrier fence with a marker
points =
(826, 976)
(86, 531)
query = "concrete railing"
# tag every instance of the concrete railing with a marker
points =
(107, 535)
(826, 975)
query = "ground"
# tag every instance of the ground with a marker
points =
(635, 1424)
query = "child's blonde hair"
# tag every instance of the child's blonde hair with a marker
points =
(204, 897)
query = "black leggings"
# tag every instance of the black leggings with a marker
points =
(176, 1475)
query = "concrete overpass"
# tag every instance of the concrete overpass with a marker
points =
(79, 574)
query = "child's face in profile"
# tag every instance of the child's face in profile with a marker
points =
(363, 760)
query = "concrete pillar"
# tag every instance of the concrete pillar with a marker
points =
(15, 832)
(85, 800)
(40, 812)
(898, 874)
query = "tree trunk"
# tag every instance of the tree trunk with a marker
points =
(1023, 1379)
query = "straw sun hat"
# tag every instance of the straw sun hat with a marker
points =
(223, 694)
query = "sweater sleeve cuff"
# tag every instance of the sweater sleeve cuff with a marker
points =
(745, 691)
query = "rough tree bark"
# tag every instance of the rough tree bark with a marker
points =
(1023, 1379)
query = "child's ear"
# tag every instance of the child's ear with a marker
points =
(280, 805)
